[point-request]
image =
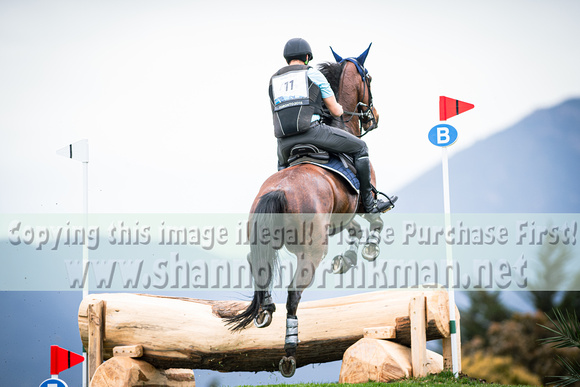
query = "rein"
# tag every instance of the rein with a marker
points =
(365, 116)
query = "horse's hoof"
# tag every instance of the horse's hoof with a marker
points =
(340, 265)
(371, 251)
(287, 366)
(263, 319)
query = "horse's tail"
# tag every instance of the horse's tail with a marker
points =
(263, 255)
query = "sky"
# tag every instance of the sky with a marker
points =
(172, 95)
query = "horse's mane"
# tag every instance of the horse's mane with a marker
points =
(332, 72)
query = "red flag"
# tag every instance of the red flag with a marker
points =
(449, 107)
(61, 359)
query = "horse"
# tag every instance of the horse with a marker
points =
(308, 194)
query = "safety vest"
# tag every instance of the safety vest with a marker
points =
(294, 98)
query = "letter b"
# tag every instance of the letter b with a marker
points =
(442, 135)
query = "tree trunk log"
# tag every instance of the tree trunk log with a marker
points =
(382, 361)
(189, 333)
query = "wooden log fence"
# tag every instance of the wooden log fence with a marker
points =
(161, 333)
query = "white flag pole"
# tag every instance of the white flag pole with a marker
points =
(80, 151)
(443, 135)
(86, 221)
(449, 253)
(85, 266)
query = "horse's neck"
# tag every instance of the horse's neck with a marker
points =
(353, 126)
(349, 97)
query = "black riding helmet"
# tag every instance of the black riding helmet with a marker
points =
(297, 48)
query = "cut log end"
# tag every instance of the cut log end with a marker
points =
(128, 372)
(382, 361)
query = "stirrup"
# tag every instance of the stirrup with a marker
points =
(380, 206)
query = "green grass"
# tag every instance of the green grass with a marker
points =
(444, 379)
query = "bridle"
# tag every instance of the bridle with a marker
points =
(363, 111)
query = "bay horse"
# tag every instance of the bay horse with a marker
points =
(308, 193)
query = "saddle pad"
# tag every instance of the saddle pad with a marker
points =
(335, 165)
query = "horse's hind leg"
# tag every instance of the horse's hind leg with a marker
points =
(267, 306)
(288, 363)
(302, 279)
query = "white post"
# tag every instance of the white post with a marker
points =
(449, 253)
(86, 225)
(449, 107)
(80, 151)
(85, 255)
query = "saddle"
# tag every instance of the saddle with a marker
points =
(307, 152)
(341, 164)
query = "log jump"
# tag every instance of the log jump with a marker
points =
(172, 332)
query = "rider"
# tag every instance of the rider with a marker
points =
(296, 95)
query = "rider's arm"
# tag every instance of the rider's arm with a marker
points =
(326, 92)
(332, 105)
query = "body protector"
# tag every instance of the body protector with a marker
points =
(294, 98)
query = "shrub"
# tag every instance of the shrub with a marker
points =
(498, 369)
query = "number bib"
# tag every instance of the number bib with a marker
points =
(290, 89)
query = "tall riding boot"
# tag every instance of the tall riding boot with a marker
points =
(371, 204)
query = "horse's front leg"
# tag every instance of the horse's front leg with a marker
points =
(343, 262)
(371, 249)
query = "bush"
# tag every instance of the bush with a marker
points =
(518, 339)
(498, 369)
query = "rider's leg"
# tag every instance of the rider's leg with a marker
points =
(282, 159)
(363, 169)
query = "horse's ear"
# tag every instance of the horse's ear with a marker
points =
(336, 56)
(362, 57)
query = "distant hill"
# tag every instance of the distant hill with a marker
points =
(532, 166)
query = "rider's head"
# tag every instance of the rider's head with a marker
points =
(297, 48)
